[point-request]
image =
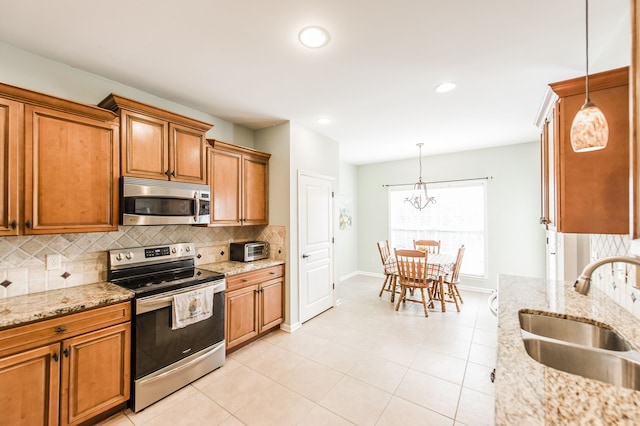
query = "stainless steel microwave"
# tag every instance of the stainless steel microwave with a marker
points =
(158, 202)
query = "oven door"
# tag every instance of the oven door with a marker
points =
(157, 345)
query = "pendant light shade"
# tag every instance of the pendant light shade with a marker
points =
(419, 197)
(589, 129)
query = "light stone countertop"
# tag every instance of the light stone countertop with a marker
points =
(233, 268)
(530, 393)
(20, 310)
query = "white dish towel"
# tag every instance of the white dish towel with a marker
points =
(192, 307)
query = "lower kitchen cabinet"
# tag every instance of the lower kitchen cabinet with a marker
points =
(67, 370)
(254, 304)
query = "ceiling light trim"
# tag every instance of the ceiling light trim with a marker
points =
(314, 37)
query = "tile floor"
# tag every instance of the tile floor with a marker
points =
(359, 363)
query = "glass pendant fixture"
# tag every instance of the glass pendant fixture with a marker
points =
(589, 129)
(419, 197)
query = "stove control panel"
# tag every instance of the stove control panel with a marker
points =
(152, 254)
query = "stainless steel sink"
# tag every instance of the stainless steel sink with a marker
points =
(613, 367)
(581, 332)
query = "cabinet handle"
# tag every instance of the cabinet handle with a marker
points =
(244, 280)
(66, 352)
(28, 224)
(55, 356)
(14, 224)
(272, 273)
(173, 173)
(166, 173)
(543, 220)
(61, 329)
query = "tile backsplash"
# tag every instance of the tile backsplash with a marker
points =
(617, 280)
(84, 255)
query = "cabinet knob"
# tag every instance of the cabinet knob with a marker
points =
(66, 352)
(55, 356)
(173, 173)
(14, 224)
(61, 329)
(244, 280)
(166, 173)
(28, 224)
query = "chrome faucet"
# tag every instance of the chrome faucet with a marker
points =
(583, 282)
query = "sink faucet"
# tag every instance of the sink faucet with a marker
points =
(583, 282)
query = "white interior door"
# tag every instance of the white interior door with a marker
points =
(315, 244)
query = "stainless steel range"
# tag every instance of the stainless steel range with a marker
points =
(167, 354)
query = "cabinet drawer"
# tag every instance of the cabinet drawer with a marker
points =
(254, 277)
(52, 330)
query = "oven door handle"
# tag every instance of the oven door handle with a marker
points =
(153, 303)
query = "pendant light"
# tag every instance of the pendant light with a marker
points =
(589, 130)
(419, 198)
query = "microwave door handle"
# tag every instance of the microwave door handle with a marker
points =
(197, 216)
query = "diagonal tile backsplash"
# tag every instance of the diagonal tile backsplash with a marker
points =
(84, 255)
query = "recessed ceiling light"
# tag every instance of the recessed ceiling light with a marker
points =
(323, 120)
(445, 87)
(313, 37)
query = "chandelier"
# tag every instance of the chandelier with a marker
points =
(419, 197)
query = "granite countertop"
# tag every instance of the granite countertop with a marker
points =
(530, 393)
(233, 268)
(19, 310)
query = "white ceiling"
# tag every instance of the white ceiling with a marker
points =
(241, 61)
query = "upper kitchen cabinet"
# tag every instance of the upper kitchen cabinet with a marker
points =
(635, 120)
(239, 181)
(67, 154)
(157, 144)
(587, 192)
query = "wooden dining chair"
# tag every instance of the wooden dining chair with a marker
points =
(389, 268)
(452, 280)
(412, 274)
(432, 246)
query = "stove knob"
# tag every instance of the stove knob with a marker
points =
(188, 249)
(119, 256)
(129, 255)
(173, 250)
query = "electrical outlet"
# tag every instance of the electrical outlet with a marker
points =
(53, 262)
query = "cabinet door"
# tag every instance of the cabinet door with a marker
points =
(271, 306)
(145, 146)
(95, 373)
(29, 387)
(71, 173)
(241, 312)
(255, 192)
(187, 154)
(10, 123)
(224, 179)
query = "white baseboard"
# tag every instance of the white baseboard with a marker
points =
(346, 277)
(290, 328)
(379, 275)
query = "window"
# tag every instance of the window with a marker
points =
(458, 217)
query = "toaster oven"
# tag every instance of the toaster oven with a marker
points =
(249, 251)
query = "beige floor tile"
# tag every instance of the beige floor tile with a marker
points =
(395, 350)
(213, 377)
(440, 365)
(166, 404)
(475, 408)
(430, 392)
(311, 379)
(485, 355)
(322, 417)
(232, 421)
(400, 412)
(274, 362)
(277, 406)
(195, 410)
(237, 388)
(299, 342)
(448, 346)
(356, 401)
(119, 419)
(487, 338)
(477, 377)
(247, 353)
(337, 356)
(378, 372)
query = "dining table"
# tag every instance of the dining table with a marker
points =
(438, 265)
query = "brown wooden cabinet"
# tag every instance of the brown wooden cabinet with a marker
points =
(634, 81)
(68, 155)
(66, 370)
(239, 181)
(254, 304)
(587, 192)
(157, 144)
